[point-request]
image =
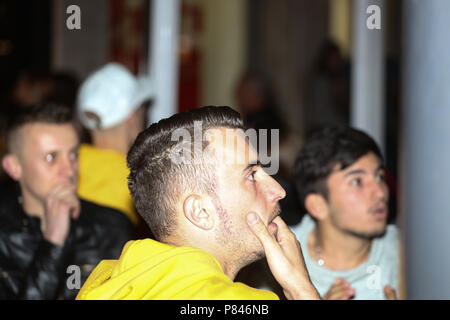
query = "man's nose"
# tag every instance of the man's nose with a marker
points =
(379, 190)
(69, 168)
(274, 191)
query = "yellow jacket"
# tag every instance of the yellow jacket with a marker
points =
(148, 269)
(103, 179)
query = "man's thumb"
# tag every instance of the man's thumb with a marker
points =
(252, 219)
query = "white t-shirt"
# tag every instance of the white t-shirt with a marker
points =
(369, 278)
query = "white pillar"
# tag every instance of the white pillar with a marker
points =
(163, 66)
(367, 88)
(425, 153)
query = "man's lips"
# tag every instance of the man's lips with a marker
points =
(275, 213)
(272, 226)
(380, 211)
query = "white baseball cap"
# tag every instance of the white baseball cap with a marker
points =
(111, 93)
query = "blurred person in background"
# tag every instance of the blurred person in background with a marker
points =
(33, 87)
(64, 90)
(44, 227)
(27, 88)
(112, 104)
(328, 92)
(350, 250)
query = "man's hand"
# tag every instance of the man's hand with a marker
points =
(61, 204)
(339, 290)
(284, 256)
(390, 293)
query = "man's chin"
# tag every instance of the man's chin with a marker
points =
(259, 255)
(258, 251)
(254, 256)
(370, 234)
(377, 234)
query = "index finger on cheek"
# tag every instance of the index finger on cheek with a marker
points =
(261, 232)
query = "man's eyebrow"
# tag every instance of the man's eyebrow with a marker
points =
(356, 171)
(251, 165)
(75, 147)
(362, 171)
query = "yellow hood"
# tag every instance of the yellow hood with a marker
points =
(148, 269)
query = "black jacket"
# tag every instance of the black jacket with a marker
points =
(33, 268)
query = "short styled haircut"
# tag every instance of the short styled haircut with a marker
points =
(47, 112)
(156, 182)
(325, 149)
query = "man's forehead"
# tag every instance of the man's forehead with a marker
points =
(369, 161)
(231, 146)
(48, 136)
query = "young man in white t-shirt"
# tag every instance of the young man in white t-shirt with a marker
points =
(349, 250)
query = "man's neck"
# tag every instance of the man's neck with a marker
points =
(226, 261)
(230, 269)
(339, 250)
(111, 139)
(232, 260)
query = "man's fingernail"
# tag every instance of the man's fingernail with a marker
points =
(252, 219)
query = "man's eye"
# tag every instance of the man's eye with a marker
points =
(251, 176)
(380, 177)
(50, 157)
(356, 182)
(74, 156)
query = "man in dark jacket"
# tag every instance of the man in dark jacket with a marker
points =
(50, 239)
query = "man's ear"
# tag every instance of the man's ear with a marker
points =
(11, 165)
(197, 213)
(316, 205)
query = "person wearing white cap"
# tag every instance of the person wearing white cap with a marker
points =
(111, 104)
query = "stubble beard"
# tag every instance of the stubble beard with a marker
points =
(245, 246)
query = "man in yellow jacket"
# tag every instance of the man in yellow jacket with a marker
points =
(199, 186)
(112, 106)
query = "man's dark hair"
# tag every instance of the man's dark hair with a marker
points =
(327, 148)
(46, 112)
(156, 181)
